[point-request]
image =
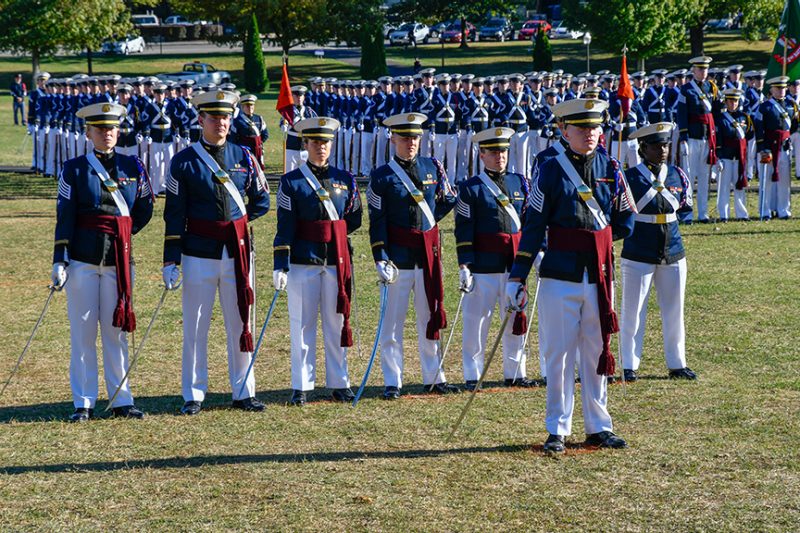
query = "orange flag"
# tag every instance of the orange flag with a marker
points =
(625, 91)
(285, 103)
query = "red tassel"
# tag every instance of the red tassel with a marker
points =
(246, 342)
(606, 366)
(612, 322)
(347, 337)
(520, 326)
(431, 332)
(119, 316)
(248, 296)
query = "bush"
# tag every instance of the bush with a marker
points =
(542, 53)
(255, 72)
(373, 53)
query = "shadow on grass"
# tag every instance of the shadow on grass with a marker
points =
(221, 460)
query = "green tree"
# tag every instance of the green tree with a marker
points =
(360, 22)
(255, 72)
(373, 53)
(542, 52)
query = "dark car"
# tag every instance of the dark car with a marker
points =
(438, 29)
(453, 33)
(496, 28)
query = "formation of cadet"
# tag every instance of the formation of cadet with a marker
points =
(549, 199)
(160, 119)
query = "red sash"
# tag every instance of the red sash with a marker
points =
(740, 145)
(506, 244)
(255, 144)
(775, 140)
(335, 231)
(598, 243)
(429, 242)
(120, 229)
(708, 120)
(234, 234)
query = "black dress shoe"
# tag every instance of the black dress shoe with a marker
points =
(543, 381)
(391, 393)
(520, 382)
(704, 221)
(128, 411)
(630, 375)
(249, 404)
(610, 380)
(605, 439)
(191, 408)
(555, 444)
(81, 414)
(443, 388)
(682, 373)
(298, 398)
(470, 384)
(343, 395)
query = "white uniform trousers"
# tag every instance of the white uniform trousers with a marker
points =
(42, 135)
(51, 161)
(445, 147)
(312, 291)
(478, 309)
(91, 299)
(128, 150)
(533, 150)
(202, 278)
(727, 181)
(569, 321)
(381, 147)
(628, 151)
(66, 147)
(751, 158)
(475, 165)
(795, 137)
(334, 153)
(774, 195)
(340, 149)
(425, 143)
(355, 157)
(675, 146)
(392, 331)
(294, 158)
(160, 158)
(367, 153)
(518, 153)
(348, 150)
(670, 283)
(34, 131)
(698, 170)
(462, 155)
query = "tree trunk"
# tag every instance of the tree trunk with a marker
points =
(89, 59)
(640, 64)
(464, 33)
(696, 39)
(34, 66)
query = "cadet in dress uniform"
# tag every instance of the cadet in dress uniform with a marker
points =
(477, 116)
(206, 233)
(407, 198)
(734, 130)
(36, 124)
(384, 100)
(127, 144)
(628, 150)
(698, 140)
(294, 154)
(103, 199)
(581, 200)
(249, 129)
(420, 100)
(753, 97)
(446, 116)
(157, 126)
(516, 106)
(367, 127)
(318, 206)
(654, 254)
(774, 121)
(489, 215)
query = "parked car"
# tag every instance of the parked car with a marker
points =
(719, 24)
(453, 33)
(497, 28)
(388, 28)
(144, 21)
(200, 73)
(178, 20)
(401, 35)
(438, 29)
(559, 31)
(127, 45)
(531, 27)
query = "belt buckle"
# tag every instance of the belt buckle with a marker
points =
(661, 218)
(221, 176)
(322, 194)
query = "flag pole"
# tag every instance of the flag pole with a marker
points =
(785, 49)
(284, 58)
(621, 117)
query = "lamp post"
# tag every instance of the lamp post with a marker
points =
(587, 40)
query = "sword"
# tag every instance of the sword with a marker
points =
(137, 350)
(253, 274)
(384, 297)
(30, 339)
(450, 335)
(489, 358)
(260, 339)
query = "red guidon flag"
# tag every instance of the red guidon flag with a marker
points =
(285, 103)
(625, 91)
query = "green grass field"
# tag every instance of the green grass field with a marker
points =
(720, 454)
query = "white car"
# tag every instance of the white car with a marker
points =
(560, 31)
(177, 20)
(145, 21)
(129, 45)
(401, 34)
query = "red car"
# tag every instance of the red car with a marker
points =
(453, 33)
(530, 28)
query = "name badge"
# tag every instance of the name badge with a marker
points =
(221, 176)
(502, 199)
(322, 194)
(585, 193)
(417, 195)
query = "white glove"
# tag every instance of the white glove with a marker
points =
(465, 279)
(537, 261)
(284, 127)
(59, 275)
(149, 140)
(139, 138)
(515, 295)
(387, 272)
(279, 279)
(171, 274)
(683, 148)
(617, 127)
(30, 129)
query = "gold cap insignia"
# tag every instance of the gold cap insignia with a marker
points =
(498, 132)
(106, 108)
(410, 117)
(588, 105)
(220, 95)
(322, 122)
(661, 127)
